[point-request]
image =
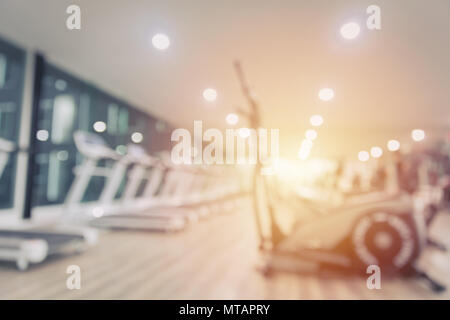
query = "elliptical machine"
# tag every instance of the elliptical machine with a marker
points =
(389, 233)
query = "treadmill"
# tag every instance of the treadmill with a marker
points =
(171, 192)
(31, 246)
(117, 215)
(170, 189)
(203, 189)
(25, 247)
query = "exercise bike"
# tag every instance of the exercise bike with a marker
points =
(390, 233)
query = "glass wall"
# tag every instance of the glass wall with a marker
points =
(12, 68)
(63, 108)
(68, 104)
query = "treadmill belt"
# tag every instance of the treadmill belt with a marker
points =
(50, 237)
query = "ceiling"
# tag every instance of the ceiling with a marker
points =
(386, 82)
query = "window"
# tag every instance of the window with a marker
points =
(12, 66)
(68, 104)
(63, 108)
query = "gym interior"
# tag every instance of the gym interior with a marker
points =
(220, 149)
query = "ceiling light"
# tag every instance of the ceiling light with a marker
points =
(42, 135)
(311, 134)
(363, 156)
(350, 30)
(160, 41)
(137, 137)
(99, 126)
(393, 145)
(418, 135)
(316, 120)
(232, 119)
(210, 94)
(326, 94)
(244, 133)
(376, 152)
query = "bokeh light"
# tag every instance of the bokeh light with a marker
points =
(326, 94)
(393, 145)
(311, 134)
(232, 119)
(210, 94)
(350, 30)
(418, 135)
(363, 156)
(99, 126)
(316, 120)
(244, 132)
(376, 152)
(161, 41)
(137, 137)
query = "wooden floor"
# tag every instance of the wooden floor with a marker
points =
(214, 259)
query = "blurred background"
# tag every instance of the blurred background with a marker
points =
(86, 118)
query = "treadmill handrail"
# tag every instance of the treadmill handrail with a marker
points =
(84, 141)
(6, 145)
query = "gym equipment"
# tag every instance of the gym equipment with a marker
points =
(388, 233)
(207, 189)
(193, 192)
(173, 195)
(445, 185)
(140, 161)
(139, 173)
(181, 187)
(26, 246)
(94, 148)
